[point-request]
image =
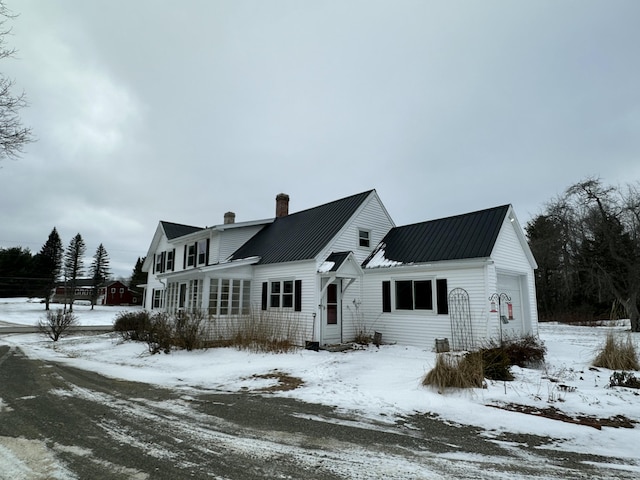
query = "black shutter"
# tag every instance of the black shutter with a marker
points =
(386, 296)
(184, 257)
(173, 259)
(442, 296)
(207, 254)
(153, 268)
(264, 295)
(297, 292)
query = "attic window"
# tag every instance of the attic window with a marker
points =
(364, 238)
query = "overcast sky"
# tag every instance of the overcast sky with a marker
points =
(149, 110)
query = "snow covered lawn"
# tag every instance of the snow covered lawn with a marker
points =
(381, 383)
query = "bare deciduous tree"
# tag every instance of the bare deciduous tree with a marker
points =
(13, 135)
(56, 323)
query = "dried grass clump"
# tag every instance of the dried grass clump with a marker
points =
(263, 331)
(617, 353)
(453, 371)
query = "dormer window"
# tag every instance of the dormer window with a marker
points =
(364, 238)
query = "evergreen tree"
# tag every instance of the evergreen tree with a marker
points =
(99, 272)
(73, 265)
(49, 264)
(16, 272)
(138, 277)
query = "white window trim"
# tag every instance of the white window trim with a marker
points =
(414, 311)
(281, 293)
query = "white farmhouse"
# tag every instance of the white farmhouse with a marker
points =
(344, 268)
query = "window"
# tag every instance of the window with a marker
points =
(229, 296)
(170, 256)
(417, 295)
(121, 291)
(195, 295)
(282, 294)
(275, 294)
(191, 255)
(159, 266)
(414, 295)
(202, 252)
(332, 304)
(113, 290)
(157, 299)
(172, 297)
(364, 238)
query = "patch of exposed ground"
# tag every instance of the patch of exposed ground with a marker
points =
(617, 421)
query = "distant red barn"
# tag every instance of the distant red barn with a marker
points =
(117, 293)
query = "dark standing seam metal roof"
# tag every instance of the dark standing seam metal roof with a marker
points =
(338, 259)
(301, 235)
(175, 230)
(471, 235)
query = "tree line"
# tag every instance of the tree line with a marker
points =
(587, 246)
(24, 274)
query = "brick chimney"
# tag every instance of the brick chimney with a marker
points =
(229, 217)
(282, 205)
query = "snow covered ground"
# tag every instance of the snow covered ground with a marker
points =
(381, 383)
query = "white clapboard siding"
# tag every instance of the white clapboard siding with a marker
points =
(370, 216)
(233, 238)
(304, 271)
(421, 328)
(511, 259)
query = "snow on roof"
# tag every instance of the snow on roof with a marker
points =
(326, 267)
(379, 260)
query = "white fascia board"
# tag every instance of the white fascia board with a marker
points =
(147, 264)
(209, 268)
(511, 215)
(252, 223)
(232, 264)
(441, 265)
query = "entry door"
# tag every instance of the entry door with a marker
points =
(332, 321)
(183, 295)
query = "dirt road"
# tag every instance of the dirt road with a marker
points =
(57, 422)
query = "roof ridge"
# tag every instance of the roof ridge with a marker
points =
(459, 215)
(332, 202)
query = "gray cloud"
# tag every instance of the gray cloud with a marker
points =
(152, 110)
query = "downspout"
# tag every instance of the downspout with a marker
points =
(164, 293)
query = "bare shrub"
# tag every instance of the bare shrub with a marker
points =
(160, 337)
(617, 354)
(189, 330)
(496, 363)
(363, 330)
(624, 379)
(56, 323)
(527, 351)
(133, 325)
(455, 371)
